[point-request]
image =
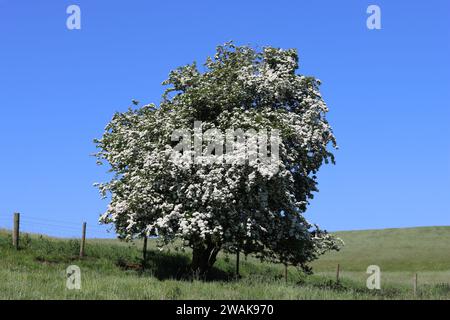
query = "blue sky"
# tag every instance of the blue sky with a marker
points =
(388, 91)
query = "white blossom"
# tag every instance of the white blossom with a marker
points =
(250, 205)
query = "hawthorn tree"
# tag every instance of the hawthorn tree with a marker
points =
(255, 207)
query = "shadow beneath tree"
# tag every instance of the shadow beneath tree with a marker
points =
(166, 266)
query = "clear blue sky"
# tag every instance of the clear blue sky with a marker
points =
(388, 91)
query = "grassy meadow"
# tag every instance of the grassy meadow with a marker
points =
(112, 270)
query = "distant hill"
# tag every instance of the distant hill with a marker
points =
(407, 249)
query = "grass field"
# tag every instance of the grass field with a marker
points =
(111, 270)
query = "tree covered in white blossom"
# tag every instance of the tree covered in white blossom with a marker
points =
(223, 205)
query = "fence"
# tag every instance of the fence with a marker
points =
(53, 227)
(26, 224)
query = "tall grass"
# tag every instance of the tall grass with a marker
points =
(114, 270)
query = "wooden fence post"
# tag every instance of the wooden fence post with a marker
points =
(338, 271)
(83, 240)
(144, 252)
(415, 285)
(286, 272)
(16, 230)
(237, 264)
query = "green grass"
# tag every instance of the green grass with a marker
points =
(111, 270)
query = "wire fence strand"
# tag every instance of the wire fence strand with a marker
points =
(56, 227)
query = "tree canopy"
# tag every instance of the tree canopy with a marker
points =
(166, 184)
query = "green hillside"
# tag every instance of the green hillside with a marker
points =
(113, 270)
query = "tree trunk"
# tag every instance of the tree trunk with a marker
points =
(203, 258)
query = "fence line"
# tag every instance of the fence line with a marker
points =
(54, 221)
(71, 227)
(53, 227)
(17, 222)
